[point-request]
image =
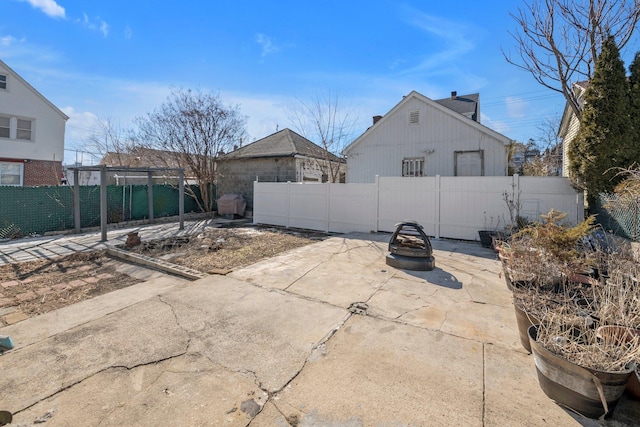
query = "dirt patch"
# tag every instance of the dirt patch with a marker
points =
(225, 249)
(31, 288)
(37, 287)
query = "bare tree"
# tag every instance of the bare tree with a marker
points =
(323, 119)
(112, 141)
(558, 41)
(546, 158)
(190, 130)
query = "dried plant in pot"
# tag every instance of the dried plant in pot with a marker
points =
(585, 364)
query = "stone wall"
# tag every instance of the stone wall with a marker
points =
(237, 176)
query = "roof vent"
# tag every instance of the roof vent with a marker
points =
(376, 119)
(414, 117)
(454, 94)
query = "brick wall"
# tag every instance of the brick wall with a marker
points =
(237, 176)
(42, 172)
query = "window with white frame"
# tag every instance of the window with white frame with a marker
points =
(413, 166)
(5, 127)
(3, 81)
(16, 128)
(11, 173)
(23, 131)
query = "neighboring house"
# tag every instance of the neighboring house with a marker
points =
(138, 157)
(31, 134)
(570, 124)
(280, 157)
(423, 137)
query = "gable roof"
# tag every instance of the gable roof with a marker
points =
(467, 105)
(284, 143)
(413, 94)
(38, 94)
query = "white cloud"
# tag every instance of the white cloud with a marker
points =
(95, 24)
(497, 125)
(7, 41)
(516, 107)
(267, 45)
(49, 7)
(456, 39)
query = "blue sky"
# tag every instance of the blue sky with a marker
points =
(119, 59)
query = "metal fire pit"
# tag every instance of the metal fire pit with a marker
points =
(410, 248)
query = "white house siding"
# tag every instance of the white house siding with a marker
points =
(438, 135)
(19, 101)
(572, 131)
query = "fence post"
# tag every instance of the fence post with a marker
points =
(288, 203)
(437, 208)
(376, 226)
(328, 201)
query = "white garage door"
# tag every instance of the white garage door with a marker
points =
(469, 163)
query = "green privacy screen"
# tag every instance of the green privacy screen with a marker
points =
(36, 210)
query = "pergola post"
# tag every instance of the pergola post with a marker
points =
(76, 200)
(103, 203)
(150, 195)
(181, 198)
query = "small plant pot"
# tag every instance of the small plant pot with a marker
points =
(486, 238)
(589, 392)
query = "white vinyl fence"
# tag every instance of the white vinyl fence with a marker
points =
(449, 207)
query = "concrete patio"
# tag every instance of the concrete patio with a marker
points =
(281, 343)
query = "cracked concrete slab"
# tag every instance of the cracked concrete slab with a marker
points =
(250, 329)
(253, 349)
(188, 390)
(49, 324)
(389, 374)
(337, 282)
(142, 334)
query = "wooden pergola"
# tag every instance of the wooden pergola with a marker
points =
(103, 169)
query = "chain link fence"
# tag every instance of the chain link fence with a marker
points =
(620, 214)
(28, 211)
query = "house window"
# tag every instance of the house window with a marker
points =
(11, 173)
(3, 82)
(24, 129)
(5, 127)
(413, 166)
(414, 117)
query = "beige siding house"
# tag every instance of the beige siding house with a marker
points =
(569, 126)
(423, 137)
(280, 157)
(31, 134)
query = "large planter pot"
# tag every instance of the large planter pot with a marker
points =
(589, 392)
(525, 321)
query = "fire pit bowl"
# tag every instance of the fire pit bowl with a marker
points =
(410, 248)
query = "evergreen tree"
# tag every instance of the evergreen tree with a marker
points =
(605, 133)
(633, 153)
